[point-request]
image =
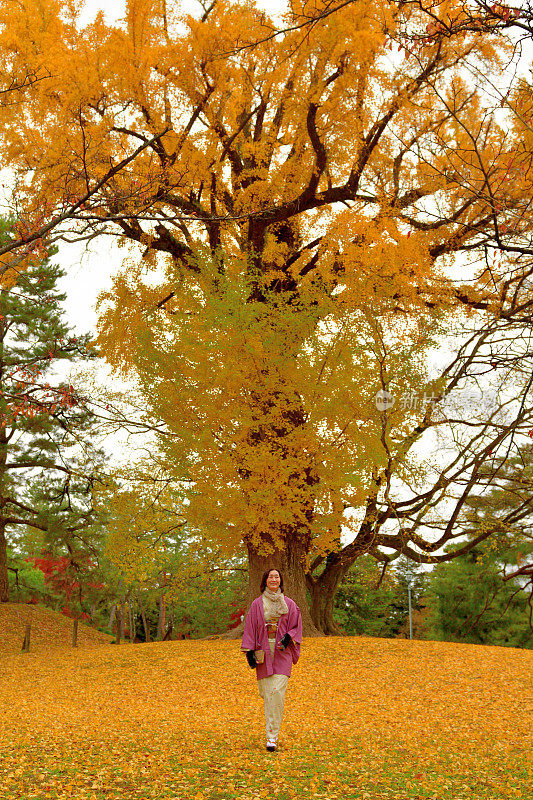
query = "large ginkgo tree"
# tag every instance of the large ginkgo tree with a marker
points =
(292, 218)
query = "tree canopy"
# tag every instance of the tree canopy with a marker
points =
(292, 220)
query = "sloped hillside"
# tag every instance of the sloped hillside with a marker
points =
(50, 630)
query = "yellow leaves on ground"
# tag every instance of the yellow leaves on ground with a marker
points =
(364, 718)
(50, 630)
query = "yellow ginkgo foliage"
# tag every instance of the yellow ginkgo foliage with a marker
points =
(291, 222)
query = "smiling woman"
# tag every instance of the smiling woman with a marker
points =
(272, 639)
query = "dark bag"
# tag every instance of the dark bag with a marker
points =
(250, 657)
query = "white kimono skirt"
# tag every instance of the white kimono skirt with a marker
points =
(272, 690)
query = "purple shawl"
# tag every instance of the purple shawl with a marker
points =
(256, 638)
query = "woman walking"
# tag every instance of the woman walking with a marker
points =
(271, 641)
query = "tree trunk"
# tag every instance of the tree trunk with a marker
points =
(291, 565)
(4, 580)
(323, 590)
(120, 621)
(143, 617)
(26, 641)
(286, 408)
(112, 616)
(131, 612)
(162, 621)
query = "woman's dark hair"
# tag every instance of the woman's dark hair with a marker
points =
(263, 584)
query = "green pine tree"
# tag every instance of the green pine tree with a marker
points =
(485, 595)
(469, 602)
(46, 455)
(366, 606)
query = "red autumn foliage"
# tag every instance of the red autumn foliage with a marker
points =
(236, 615)
(61, 575)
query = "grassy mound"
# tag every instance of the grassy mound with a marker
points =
(50, 630)
(365, 719)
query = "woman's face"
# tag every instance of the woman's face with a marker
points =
(273, 580)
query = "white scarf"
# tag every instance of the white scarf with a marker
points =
(276, 601)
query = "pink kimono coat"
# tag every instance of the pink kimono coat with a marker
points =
(256, 638)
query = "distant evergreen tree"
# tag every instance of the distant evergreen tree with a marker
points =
(485, 596)
(469, 602)
(46, 455)
(363, 608)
